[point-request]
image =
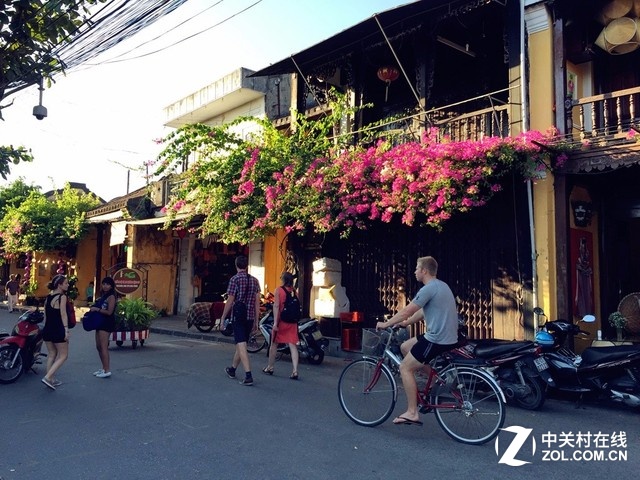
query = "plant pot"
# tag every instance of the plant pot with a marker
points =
(134, 336)
(619, 334)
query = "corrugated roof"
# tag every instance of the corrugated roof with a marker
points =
(364, 35)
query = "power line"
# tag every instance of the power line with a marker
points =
(116, 21)
(168, 31)
(183, 39)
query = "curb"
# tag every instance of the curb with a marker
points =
(196, 336)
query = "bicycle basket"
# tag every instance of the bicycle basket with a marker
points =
(371, 342)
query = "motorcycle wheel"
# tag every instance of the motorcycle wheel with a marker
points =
(9, 375)
(206, 328)
(256, 342)
(316, 358)
(536, 398)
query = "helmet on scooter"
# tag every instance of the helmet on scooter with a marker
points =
(544, 339)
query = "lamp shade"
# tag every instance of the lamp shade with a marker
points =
(388, 74)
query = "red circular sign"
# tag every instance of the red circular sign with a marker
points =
(127, 280)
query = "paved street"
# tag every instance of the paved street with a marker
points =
(169, 412)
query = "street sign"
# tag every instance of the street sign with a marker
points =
(127, 280)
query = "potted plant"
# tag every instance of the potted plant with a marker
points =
(133, 319)
(616, 319)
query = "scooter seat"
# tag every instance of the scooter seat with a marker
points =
(496, 347)
(608, 354)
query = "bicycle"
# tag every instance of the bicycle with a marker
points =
(468, 403)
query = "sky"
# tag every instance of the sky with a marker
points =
(104, 116)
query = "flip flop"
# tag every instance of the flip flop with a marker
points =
(405, 421)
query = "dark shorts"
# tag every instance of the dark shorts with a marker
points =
(424, 351)
(108, 324)
(242, 331)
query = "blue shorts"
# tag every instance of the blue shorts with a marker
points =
(424, 351)
(242, 331)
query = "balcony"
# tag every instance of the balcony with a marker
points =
(608, 115)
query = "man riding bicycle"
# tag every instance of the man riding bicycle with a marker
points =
(436, 305)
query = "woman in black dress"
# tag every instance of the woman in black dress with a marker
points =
(106, 305)
(56, 328)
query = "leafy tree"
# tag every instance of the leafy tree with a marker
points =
(313, 179)
(12, 196)
(30, 33)
(41, 224)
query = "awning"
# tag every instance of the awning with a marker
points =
(106, 217)
(395, 21)
(118, 233)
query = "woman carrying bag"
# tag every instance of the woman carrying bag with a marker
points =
(283, 332)
(105, 306)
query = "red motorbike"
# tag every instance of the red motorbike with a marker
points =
(20, 350)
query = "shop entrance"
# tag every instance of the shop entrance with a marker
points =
(214, 265)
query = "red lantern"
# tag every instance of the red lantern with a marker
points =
(181, 232)
(388, 75)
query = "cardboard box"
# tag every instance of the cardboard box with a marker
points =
(326, 278)
(327, 264)
(329, 308)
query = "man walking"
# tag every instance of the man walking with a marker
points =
(12, 288)
(243, 302)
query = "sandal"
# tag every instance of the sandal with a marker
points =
(294, 376)
(267, 370)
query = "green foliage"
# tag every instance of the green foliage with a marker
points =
(41, 224)
(134, 313)
(30, 31)
(247, 187)
(72, 291)
(10, 154)
(14, 194)
(233, 174)
(616, 319)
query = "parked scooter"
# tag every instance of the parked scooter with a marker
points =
(611, 372)
(20, 350)
(311, 342)
(518, 366)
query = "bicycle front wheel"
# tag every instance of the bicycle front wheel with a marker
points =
(472, 411)
(367, 392)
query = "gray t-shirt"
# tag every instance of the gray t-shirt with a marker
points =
(440, 312)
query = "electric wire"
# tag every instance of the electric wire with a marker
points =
(166, 32)
(116, 21)
(184, 39)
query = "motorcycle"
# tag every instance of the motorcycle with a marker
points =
(311, 342)
(205, 316)
(611, 372)
(518, 366)
(20, 350)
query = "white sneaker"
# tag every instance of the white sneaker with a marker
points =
(103, 374)
(97, 372)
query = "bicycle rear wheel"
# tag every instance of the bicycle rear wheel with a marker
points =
(256, 342)
(367, 393)
(473, 410)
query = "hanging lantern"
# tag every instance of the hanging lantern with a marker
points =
(181, 232)
(387, 75)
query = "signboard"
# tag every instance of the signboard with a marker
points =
(127, 280)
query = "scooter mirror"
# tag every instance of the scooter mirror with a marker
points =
(589, 319)
(538, 311)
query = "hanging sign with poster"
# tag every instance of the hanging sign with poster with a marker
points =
(127, 280)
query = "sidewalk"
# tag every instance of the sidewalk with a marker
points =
(176, 325)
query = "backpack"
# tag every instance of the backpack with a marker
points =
(291, 311)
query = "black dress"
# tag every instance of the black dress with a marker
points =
(109, 322)
(53, 330)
